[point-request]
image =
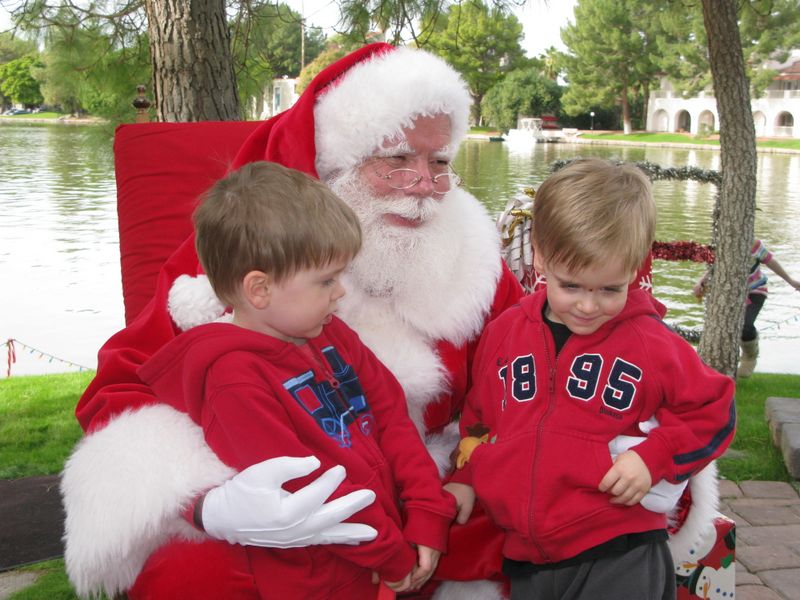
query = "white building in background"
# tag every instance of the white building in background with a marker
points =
(277, 98)
(774, 114)
(282, 95)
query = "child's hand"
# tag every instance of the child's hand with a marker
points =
(465, 499)
(399, 586)
(699, 288)
(428, 559)
(628, 480)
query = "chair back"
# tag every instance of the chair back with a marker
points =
(161, 170)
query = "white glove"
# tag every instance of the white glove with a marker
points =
(663, 496)
(253, 509)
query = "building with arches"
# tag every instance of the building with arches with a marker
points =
(774, 113)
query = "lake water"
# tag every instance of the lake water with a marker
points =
(59, 259)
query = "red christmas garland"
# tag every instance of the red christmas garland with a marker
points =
(683, 250)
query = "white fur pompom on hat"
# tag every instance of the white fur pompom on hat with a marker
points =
(192, 302)
(377, 98)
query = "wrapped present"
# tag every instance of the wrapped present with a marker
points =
(703, 541)
(709, 570)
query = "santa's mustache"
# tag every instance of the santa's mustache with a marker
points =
(418, 209)
(371, 207)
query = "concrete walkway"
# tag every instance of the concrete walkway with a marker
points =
(767, 515)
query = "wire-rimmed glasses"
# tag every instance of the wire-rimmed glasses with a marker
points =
(405, 179)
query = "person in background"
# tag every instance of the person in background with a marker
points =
(559, 376)
(756, 296)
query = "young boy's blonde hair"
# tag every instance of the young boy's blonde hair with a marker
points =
(593, 211)
(266, 217)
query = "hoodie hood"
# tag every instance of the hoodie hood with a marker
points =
(177, 372)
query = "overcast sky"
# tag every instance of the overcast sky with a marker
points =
(542, 21)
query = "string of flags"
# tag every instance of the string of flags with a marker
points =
(11, 345)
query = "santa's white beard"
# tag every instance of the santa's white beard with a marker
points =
(411, 287)
(393, 259)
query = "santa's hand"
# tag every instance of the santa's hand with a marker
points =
(253, 509)
(663, 497)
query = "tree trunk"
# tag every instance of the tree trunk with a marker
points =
(477, 117)
(645, 106)
(719, 345)
(193, 77)
(626, 112)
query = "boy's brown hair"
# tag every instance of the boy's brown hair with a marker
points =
(592, 211)
(266, 217)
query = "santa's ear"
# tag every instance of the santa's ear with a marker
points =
(256, 288)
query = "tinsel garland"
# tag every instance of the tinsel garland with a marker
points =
(658, 173)
(683, 250)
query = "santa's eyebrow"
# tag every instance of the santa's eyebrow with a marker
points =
(402, 147)
(443, 152)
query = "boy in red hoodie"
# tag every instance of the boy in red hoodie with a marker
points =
(286, 377)
(568, 369)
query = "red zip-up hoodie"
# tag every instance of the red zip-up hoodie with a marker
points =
(550, 419)
(257, 397)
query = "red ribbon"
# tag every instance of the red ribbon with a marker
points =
(12, 355)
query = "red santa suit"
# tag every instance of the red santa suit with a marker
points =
(142, 463)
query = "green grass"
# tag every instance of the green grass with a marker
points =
(755, 456)
(37, 422)
(652, 138)
(791, 144)
(40, 115)
(52, 583)
(485, 130)
(682, 138)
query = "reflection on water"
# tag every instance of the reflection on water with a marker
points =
(58, 245)
(60, 261)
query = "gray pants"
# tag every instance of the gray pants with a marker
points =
(644, 573)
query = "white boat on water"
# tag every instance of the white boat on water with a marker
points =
(531, 130)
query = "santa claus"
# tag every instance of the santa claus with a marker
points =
(381, 127)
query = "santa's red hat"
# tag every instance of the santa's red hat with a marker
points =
(355, 104)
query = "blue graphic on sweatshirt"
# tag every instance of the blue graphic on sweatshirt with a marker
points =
(333, 405)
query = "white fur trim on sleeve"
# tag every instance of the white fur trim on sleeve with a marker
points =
(377, 98)
(700, 519)
(192, 302)
(124, 489)
(441, 445)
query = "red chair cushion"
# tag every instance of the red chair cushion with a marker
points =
(161, 170)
